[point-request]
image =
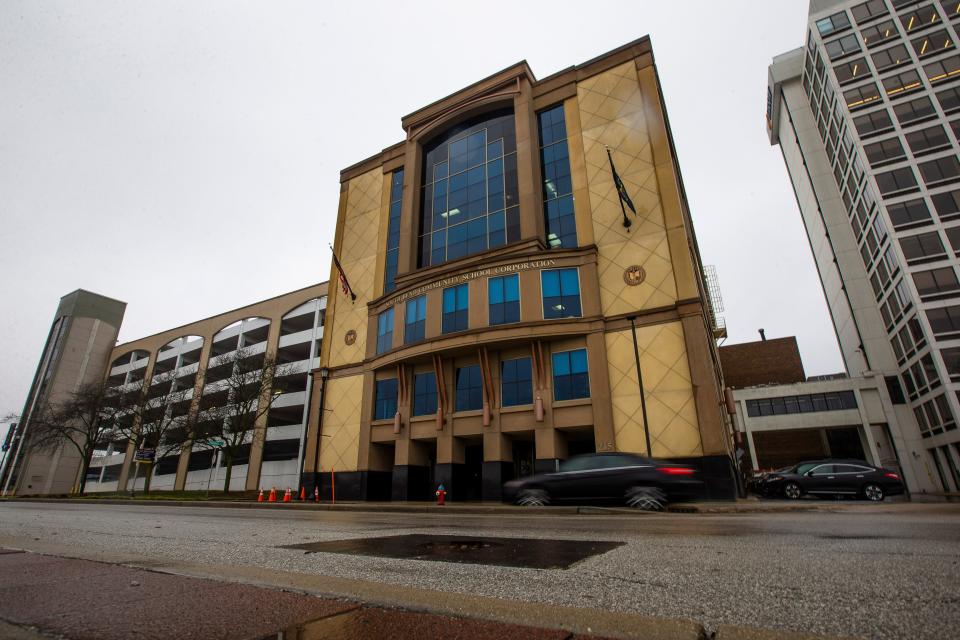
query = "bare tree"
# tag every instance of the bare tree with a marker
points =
(242, 386)
(84, 419)
(157, 418)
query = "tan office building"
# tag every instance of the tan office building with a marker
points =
(495, 286)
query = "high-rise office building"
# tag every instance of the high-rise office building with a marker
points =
(867, 115)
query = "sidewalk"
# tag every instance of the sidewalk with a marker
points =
(43, 596)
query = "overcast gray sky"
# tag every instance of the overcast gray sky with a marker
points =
(184, 156)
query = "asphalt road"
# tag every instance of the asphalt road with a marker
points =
(891, 571)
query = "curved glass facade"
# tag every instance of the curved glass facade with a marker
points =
(469, 197)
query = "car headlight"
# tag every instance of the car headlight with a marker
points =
(774, 478)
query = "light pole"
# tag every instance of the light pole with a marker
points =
(643, 400)
(324, 374)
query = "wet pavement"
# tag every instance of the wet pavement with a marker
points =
(532, 553)
(879, 571)
(82, 600)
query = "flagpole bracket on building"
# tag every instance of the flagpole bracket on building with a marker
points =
(622, 194)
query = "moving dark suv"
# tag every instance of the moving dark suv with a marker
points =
(608, 477)
(831, 477)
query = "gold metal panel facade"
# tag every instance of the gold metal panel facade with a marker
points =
(357, 249)
(341, 424)
(612, 115)
(671, 408)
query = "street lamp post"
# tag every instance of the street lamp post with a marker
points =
(643, 400)
(324, 374)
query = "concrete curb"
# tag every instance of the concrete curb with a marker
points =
(472, 509)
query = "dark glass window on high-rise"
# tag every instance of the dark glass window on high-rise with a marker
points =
(516, 382)
(385, 331)
(415, 322)
(557, 185)
(393, 231)
(469, 202)
(385, 399)
(456, 307)
(561, 293)
(503, 294)
(469, 388)
(424, 394)
(570, 376)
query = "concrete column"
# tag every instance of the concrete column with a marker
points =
(578, 172)
(604, 436)
(180, 481)
(260, 426)
(706, 392)
(410, 209)
(550, 444)
(497, 464)
(131, 446)
(529, 180)
(748, 433)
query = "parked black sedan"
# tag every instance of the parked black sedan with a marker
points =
(831, 477)
(607, 477)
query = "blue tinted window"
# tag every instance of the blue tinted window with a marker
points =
(504, 298)
(385, 403)
(385, 331)
(570, 378)
(469, 388)
(516, 382)
(557, 183)
(470, 196)
(393, 231)
(561, 293)
(424, 394)
(455, 308)
(415, 321)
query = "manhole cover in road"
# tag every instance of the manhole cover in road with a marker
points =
(532, 553)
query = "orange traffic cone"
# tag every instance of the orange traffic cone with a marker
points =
(303, 494)
(273, 495)
(260, 497)
(286, 495)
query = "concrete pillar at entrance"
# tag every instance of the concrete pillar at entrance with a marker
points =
(497, 464)
(411, 471)
(551, 444)
(450, 467)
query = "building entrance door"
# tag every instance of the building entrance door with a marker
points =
(523, 458)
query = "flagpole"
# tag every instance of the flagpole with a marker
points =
(626, 220)
(343, 276)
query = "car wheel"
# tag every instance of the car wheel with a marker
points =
(792, 491)
(647, 498)
(873, 492)
(533, 498)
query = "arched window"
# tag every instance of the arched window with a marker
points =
(469, 200)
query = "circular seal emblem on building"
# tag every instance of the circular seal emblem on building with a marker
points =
(350, 337)
(634, 275)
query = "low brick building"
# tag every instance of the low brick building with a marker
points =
(775, 361)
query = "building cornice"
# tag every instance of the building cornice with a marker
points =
(493, 86)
